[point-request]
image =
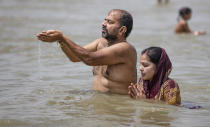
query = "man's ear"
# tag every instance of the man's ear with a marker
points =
(123, 29)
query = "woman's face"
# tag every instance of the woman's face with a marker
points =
(147, 68)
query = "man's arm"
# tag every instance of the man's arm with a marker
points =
(91, 47)
(114, 54)
(69, 53)
(52, 36)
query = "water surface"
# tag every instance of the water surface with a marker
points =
(40, 87)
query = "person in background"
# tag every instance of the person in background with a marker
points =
(155, 67)
(112, 57)
(185, 14)
(160, 1)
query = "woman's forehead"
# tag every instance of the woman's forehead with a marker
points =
(144, 57)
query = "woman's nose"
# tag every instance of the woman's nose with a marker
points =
(141, 68)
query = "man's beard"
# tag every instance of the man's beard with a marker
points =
(109, 37)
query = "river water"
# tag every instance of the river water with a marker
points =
(40, 87)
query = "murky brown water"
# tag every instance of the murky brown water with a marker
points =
(39, 87)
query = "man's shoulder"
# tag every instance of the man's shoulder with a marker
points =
(126, 46)
(126, 51)
(101, 41)
(118, 47)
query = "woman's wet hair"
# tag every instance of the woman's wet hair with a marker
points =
(154, 54)
(184, 11)
(126, 19)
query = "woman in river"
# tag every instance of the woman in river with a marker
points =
(155, 67)
(182, 25)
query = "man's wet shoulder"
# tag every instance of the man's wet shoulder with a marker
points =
(102, 43)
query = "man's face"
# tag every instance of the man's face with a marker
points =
(111, 26)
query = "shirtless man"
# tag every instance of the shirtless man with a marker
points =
(112, 57)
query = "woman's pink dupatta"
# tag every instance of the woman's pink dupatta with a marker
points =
(162, 72)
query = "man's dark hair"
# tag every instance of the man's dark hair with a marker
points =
(126, 20)
(154, 54)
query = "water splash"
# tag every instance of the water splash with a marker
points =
(39, 59)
